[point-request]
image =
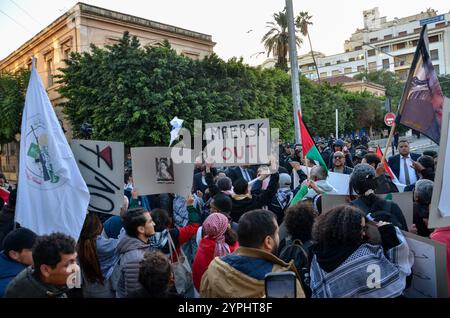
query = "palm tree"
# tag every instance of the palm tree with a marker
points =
(276, 41)
(302, 22)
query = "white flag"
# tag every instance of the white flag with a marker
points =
(52, 195)
(176, 126)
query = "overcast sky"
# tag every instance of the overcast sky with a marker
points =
(237, 26)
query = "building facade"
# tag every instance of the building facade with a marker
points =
(382, 44)
(75, 31)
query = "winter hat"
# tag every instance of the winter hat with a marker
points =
(19, 239)
(361, 178)
(214, 228)
(285, 180)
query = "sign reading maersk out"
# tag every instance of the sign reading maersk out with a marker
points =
(235, 143)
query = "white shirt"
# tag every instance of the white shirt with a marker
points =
(412, 172)
(245, 174)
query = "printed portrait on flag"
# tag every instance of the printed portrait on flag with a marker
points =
(164, 170)
(422, 110)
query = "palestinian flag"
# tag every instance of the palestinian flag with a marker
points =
(309, 147)
(386, 166)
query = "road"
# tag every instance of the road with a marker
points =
(416, 145)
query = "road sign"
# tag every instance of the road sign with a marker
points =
(389, 119)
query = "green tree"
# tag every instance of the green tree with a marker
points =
(302, 22)
(129, 93)
(276, 40)
(444, 80)
(12, 99)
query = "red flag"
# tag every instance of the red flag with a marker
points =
(386, 166)
(310, 150)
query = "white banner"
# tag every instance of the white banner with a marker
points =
(156, 170)
(102, 165)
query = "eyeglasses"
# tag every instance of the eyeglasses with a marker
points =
(338, 157)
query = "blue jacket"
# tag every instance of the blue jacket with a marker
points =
(8, 270)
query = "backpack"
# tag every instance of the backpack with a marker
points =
(276, 207)
(302, 256)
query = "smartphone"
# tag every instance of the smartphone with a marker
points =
(280, 285)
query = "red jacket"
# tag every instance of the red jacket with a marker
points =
(204, 256)
(443, 235)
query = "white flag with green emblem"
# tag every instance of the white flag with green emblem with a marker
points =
(52, 195)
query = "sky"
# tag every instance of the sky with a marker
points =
(237, 26)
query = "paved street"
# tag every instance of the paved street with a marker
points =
(416, 145)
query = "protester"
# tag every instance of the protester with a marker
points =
(363, 183)
(297, 246)
(54, 262)
(243, 201)
(342, 258)
(241, 172)
(339, 163)
(432, 154)
(401, 164)
(211, 245)
(7, 214)
(156, 277)
(16, 255)
(339, 146)
(134, 240)
(241, 274)
(421, 208)
(425, 169)
(384, 183)
(179, 236)
(281, 200)
(97, 259)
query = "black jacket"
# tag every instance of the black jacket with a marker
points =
(394, 163)
(240, 206)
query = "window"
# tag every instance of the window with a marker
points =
(436, 69)
(388, 36)
(323, 74)
(414, 42)
(434, 38)
(66, 48)
(403, 75)
(49, 63)
(361, 68)
(30, 63)
(372, 66)
(338, 62)
(385, 49)
(417, 30)
(335, 72)
(327, 64)
(440, 25)
(402, 33)
(400, 46)
(357, 48)
(385, 64)
(434, 54)
(347, 70)
(371, 52)
(351, 59)
(373, 40)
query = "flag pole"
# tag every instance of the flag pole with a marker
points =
(405, 91)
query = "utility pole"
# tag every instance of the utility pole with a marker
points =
(337, 124)
(294, 69)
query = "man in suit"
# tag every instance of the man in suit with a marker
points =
(402, 164)
(244, 172)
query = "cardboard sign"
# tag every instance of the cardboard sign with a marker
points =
(339, 181)
(403, 199)
(440, 202)
(101, 164)
(429, 269)
(236, 143)
(156, 170)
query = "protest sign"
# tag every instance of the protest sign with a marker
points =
(440, 202)
(429, 270)
(235, 143)
(101, 164)
(155, 170)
